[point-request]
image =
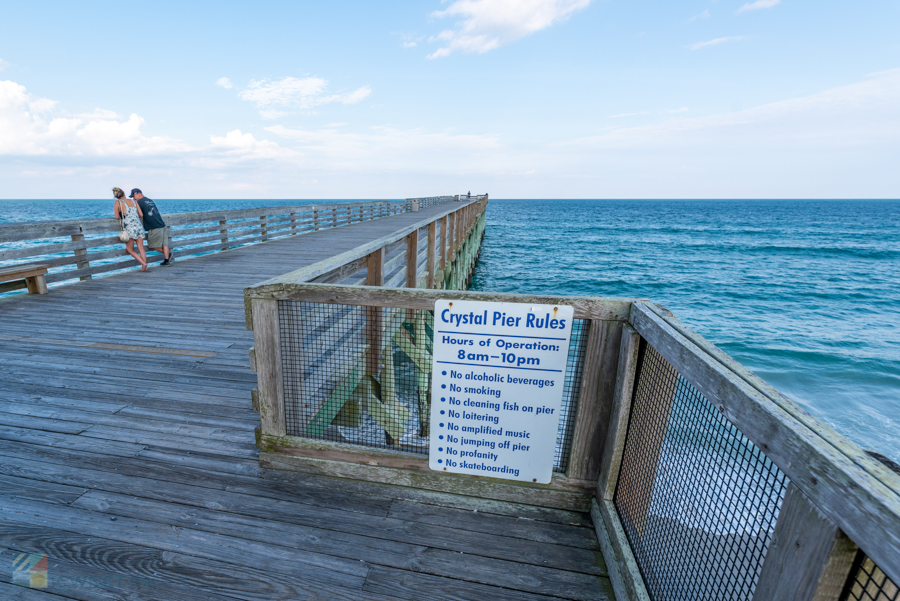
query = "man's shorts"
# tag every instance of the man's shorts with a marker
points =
(159, 237)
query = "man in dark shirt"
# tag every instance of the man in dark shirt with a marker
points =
(157, 230)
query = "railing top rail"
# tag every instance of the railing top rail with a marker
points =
(305, 274)
(35, 230)
(586, 307)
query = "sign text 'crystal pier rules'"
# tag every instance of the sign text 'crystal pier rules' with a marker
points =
(499, 370)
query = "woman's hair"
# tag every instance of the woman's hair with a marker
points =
(118, 193)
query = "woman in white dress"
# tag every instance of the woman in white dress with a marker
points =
(130, 213)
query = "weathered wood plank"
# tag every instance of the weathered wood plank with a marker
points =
(809, 558)
(568, 534)
(13, 592)
(434, 498)
(132, 572)
(402, 584)
(317, 568)
(560, 493)
(595, 400)
(26, 490)
(165, 476)
(624, 574)
(609, 309)
(611, 458)
(270, 387)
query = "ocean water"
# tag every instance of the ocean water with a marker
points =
(805, 293)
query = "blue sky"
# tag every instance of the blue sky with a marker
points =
(519, 98)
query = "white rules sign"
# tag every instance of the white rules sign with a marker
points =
(499, 370)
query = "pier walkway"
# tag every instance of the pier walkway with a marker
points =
(127, 456)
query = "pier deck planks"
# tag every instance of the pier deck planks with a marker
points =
(135, 470)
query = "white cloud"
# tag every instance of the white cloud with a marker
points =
(272, 97)
(238, 144)
(489, 24)
(758, 5)
(34, 126)
(409, 44)
(715, 42)
(225, 83)
(837, 143)
(704, 15)
(3, 64)
(683, 109)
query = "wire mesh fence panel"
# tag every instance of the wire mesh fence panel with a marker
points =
(868, 583)
(571, 390)
(362, 375)
(698, 500)
(357, 374)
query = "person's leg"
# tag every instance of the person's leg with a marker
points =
(164, 251)
(140, 244)
(157, 239)
(129, 248)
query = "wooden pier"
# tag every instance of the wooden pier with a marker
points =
(127, 456)
(154, 448)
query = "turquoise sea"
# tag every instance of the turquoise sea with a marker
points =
(806, 293)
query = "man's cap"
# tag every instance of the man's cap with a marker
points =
(134, 191)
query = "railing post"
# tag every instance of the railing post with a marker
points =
(432, 240)
(315, 220)
(374, 318)
(444, 243)
(451, 240)
(624, 574)
(263, 229)
(333, 217)
(809, 558)
(349, 215)
(223, 231)
(294, 222)
(412, 258)
(267, 350)
(614, 444)
(595, 399)
(82, 252)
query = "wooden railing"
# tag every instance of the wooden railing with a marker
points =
(825, 503)
(439, 252)
(82, 248)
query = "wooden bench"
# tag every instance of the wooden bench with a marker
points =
(33, 276)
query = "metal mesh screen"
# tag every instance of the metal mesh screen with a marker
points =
(571, 390)
(697, 499)
(362, 375)
(868, 583)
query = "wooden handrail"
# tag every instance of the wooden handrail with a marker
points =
(93, 247)
(309, 273)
